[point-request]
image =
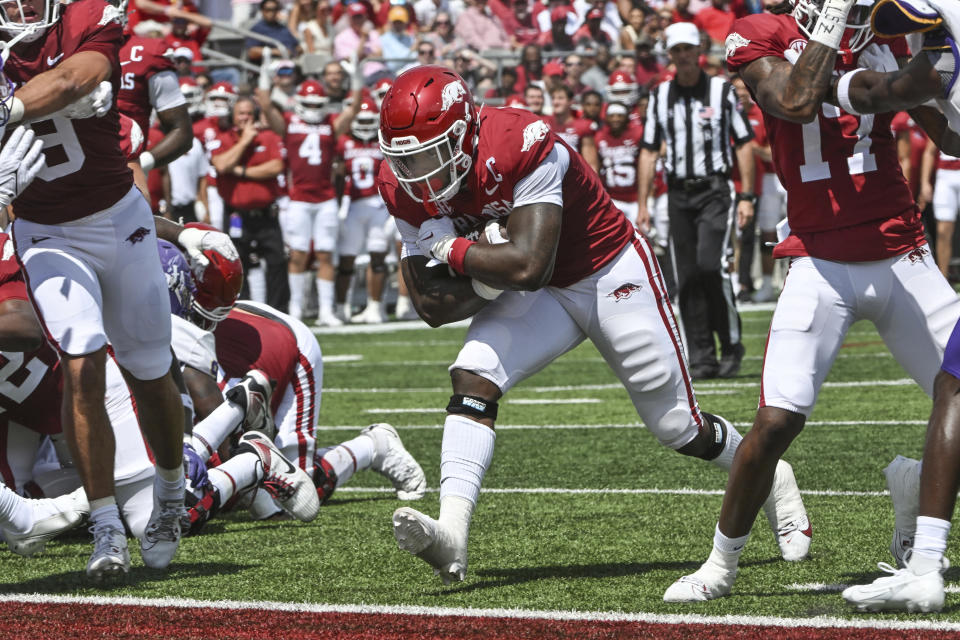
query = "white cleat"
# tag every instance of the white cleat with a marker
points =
(110, 559)
(902, 590)
(52, 516)
(161, 538)
(903, 481)
(392, 460)
(287, 484)
(430, 541)
(706, 583)
(253, 393)
(406, 311)
(765, 293)
(369, 315)
(329, 319)
(787, 516)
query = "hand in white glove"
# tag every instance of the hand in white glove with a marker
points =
(436, 237)
(878, 58)
(21, 159)
(96, 103)
(196, 241)
(831, 22)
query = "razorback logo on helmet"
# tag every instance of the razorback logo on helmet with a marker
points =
(735, 41)
(111, 14)
(453, 93)
(794, 49)
(534, 132)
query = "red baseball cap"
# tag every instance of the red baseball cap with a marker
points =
(553, 69)
(356, 9)
(559, 13)
(595, 14)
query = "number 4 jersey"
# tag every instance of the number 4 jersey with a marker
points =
(310, 151)
(848, 200)
(86, 170)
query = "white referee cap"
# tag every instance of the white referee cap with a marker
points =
(682, 33)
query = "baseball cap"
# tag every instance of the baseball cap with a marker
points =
(356, 9)
(559, 13)
(682, 33)
(183, 52)
(553, 68)
(595, 14)
(398, 13)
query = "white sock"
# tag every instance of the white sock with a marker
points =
(168, 484)
(298, 288)
(239, 473)
(15, 512)
(104, 511)
(726, 551)
(725, 459)
(210, 432)
(931, 537)
(465, 455)
(349, 457)
(403, 304)
(325, 295)
(455, 514)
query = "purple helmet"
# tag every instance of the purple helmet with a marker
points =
(179, 279)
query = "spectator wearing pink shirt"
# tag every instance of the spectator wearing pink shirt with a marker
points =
(715, 20)
(520, 26)
(349, 41)
(480, 29)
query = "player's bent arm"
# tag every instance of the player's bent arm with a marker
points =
(226, 161)
(264, 171)
(881, 92)
(203, 390)
(19, 329)
(271, 113)
(792, 92)
(66, 83)
(525, 262)
(439, 297)
(178, 137)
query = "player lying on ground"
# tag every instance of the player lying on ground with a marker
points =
(856, 244)
(570, 268)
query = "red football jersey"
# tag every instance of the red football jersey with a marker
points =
(918, 143)
(512, 143)
(362, 163)
(30, 383)
(618, 161)
(573, 130)
(755, 118)
(86, 170)
(141, 58)
(310, 152)
(245, 193)
(848, 198)
(247, 340)
(206, 131)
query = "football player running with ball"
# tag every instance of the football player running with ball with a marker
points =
(856, 243)
(569, 268)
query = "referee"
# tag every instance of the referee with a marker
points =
(695, 117)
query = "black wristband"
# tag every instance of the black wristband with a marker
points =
(243, 171)
(746, 196)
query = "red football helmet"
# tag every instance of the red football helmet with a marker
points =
(380, 90)
(365, 124)
(310, 101)
(218, 286)
(622, 88)
(193, 94)
(219, 100)
(858, 33)
(428, 132)
(517, 101)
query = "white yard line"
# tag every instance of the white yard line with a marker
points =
(625, 492)
(619, 425)
(818, 622)
(555, 401)
(831, 588)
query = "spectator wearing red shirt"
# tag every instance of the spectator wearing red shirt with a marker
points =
(248, 162)
(648, 70)
(557, 38)
(520, 25)
(681, 12)
(530, 69)
(715, 20)
(591, 31)
(508, 80)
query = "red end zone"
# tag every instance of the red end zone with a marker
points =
(31, 621)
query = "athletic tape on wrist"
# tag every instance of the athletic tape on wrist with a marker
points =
(843, 92)
(458, 252)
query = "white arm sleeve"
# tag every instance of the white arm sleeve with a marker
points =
(545, 183)
(165, 91)
(408, 235)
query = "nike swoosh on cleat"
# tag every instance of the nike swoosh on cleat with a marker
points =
(36, 239)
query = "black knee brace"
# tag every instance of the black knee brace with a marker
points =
(378, 268)
(472, 406)
(714, 429)
(345, 272)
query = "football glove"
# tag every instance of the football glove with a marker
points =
(196, 241)
(878, 58)
(21, 159)
(942, 51)
(436, 237)
(96, 103)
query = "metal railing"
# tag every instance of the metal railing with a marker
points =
(246, 33)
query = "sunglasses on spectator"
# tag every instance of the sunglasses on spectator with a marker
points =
(270, 8)
(572, 64)
(442, 23)
(425, 52)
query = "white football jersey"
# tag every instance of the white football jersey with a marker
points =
(195, 348)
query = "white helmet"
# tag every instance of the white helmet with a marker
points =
(19, 21)
(858, 33)
(219, 100)
(310, 102)
(367, 121)
(622, 88)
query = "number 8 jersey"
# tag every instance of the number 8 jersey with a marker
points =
(83, 156)
(362, 163)
(847, 198)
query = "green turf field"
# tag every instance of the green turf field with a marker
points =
(563, 524)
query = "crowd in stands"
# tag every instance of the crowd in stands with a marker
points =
(531, 54)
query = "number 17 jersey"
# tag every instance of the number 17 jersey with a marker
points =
(848, 200)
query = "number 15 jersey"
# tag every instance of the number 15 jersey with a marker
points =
(848, 200)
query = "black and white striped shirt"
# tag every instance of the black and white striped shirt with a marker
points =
(697, 123)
